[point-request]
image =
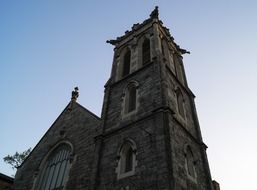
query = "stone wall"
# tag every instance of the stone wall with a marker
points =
(149, 97)
(151, 170)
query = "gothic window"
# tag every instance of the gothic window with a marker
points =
(171, 59)
(132, 95)
(55, 171)
(127, 159)
(146, 52)
(164, 47)
(190, 164)
(130, 98)
(126, 63)
(128, 156)
(179, 68)
(180, 103)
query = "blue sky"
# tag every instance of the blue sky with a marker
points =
(48, 47)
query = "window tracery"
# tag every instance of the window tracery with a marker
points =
(55, 170)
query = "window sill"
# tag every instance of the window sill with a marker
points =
(128, 115)
(127, 174)
(181, 119)
(192, 179)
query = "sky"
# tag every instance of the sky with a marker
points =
(49, 47)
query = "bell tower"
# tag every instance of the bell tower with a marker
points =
(150, 136)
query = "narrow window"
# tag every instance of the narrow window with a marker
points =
(163, 49)
(126, 64)
(129, 160)
(56, 169)
(179, 68)
(180, 103)
(132, 96)
(146, 55)
(190, 163)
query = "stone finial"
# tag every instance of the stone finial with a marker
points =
(155, 13)
(75, 94)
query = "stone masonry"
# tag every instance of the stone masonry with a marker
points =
(168, 150)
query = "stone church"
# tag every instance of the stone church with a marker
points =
(148, 136)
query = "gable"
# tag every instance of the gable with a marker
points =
(75, 125)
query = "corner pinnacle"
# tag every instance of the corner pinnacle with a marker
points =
(155, 13)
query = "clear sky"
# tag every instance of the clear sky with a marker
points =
(48, 47)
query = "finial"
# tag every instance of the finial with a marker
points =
(155, 13)
(75, 94)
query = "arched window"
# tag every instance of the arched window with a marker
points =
(146, 52)
(128, 156)
(127, 159)
(180, 103)
(190, 164)
(130, 99)
(179, 68)
(163, 46)
(55, 170)
(126, 64)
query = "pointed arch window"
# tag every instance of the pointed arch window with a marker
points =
(179, 68)
(146, 52)
(164, 46)
(126, 63)
(128, 165)
(130, 101)
(132, 98)
(55, 170)
(127, 160)
(190, 163)
(180, 103)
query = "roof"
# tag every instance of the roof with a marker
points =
(66, 108)
(6, 178)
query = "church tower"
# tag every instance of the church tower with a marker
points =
(150, 136)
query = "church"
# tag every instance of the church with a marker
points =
(148, 136)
